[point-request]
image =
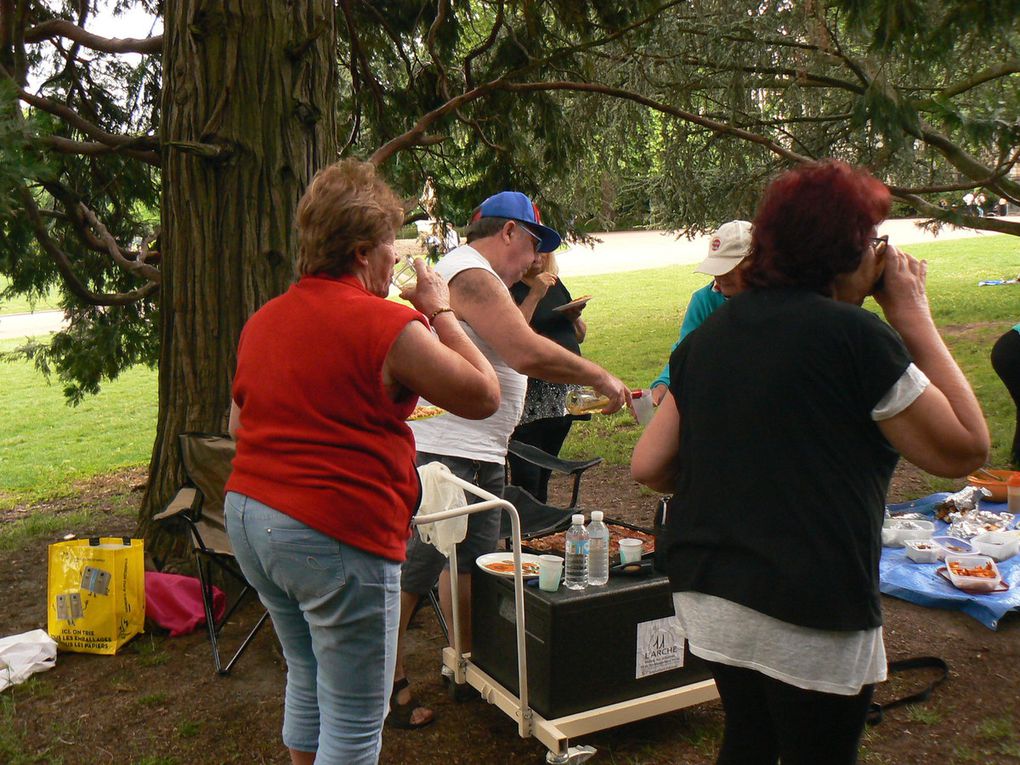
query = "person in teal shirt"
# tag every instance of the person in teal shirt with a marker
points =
(727, 250)
(1006, 363)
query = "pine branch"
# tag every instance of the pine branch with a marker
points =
(66, 29)
(63, 263)
(133, 266)
(67, 146)
(75, 120)
(935, 212)
(994, 72)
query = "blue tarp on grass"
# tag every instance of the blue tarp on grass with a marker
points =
(918, 583)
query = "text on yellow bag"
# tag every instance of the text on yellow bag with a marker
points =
(96, 593)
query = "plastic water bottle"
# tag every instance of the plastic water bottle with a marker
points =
(598, 550)
(575, 565)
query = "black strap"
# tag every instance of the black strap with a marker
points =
(875, 710)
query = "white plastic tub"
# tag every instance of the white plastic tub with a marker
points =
(922, 550)
(896, 531)
(997, 545)
(968, 582)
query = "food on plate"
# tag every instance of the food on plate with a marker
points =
(507, 567)
(985, 571)
(576, 302)
(555, 542)
(423, 412)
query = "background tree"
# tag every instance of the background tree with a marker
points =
(159, 195)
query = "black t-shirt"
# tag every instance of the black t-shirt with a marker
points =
(547, 322)
(783, 473)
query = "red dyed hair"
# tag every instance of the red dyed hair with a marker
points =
(813, 223)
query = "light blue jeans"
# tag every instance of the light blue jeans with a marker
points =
(336, 610)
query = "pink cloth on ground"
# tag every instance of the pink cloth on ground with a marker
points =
(174, 602)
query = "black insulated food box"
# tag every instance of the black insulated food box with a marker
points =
(582, 645)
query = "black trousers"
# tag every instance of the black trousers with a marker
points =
(1006, 363)
(768, 721)
(548, 435)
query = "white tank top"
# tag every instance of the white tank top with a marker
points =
(483, 440)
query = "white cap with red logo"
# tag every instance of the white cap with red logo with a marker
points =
(728, 246)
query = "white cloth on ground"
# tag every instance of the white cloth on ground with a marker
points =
(25, 654)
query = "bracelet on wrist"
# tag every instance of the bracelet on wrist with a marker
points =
(435, 313)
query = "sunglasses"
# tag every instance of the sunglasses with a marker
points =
(879, 242)
(532, 234)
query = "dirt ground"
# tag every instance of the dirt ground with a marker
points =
(159, 701)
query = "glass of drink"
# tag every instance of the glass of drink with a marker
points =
(404, 275)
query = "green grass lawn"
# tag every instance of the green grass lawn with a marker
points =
(46, 445)
(22, 304)
(633, 321)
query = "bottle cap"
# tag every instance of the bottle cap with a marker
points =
(577, 518)
(596, 515)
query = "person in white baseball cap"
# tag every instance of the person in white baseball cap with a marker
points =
(727, 250)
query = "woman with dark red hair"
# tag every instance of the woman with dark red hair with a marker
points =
(787, 412)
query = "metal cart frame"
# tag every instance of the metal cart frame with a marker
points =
(554, 734)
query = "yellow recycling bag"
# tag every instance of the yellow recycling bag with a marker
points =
(96, 593)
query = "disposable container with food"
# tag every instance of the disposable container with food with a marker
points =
(997, 545)
(922, 550)
(952, 546)
(896, 531)
(973, 573)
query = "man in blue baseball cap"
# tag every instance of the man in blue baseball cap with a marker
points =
(504, 239)
(515, 206)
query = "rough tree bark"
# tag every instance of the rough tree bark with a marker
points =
(247, 119)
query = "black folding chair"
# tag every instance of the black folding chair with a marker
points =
(199, 505)
(547, 461)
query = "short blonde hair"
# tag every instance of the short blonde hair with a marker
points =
(346, 206)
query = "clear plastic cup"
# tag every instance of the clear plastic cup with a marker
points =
(630, 550)
(404, 275)
(550, 569)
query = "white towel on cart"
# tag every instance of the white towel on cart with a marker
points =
(437, 495)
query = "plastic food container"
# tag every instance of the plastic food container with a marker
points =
(922, 550)
(997, 545)
(896, 531)
(952, 546)
(969, 582)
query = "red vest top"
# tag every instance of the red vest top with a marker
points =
(319, 438)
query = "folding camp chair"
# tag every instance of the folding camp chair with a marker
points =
(547, 461)
(199, 504)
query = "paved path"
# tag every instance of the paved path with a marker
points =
(615, 252)
(636, 250)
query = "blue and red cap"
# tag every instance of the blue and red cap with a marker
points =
(514, 205)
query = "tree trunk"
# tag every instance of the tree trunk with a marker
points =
(247, 118)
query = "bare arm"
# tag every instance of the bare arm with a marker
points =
(539, 286)
(446, 368)
(234, 423)
(479, 299)
(943, 431)
(655, 462)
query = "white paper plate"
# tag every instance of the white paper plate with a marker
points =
(505, 560)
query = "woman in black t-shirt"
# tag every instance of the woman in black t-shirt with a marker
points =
(543, 423)
(787, 408)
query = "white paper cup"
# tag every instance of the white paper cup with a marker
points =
(404, 275)
(643, 407)
(550, 569)
(630, 550)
